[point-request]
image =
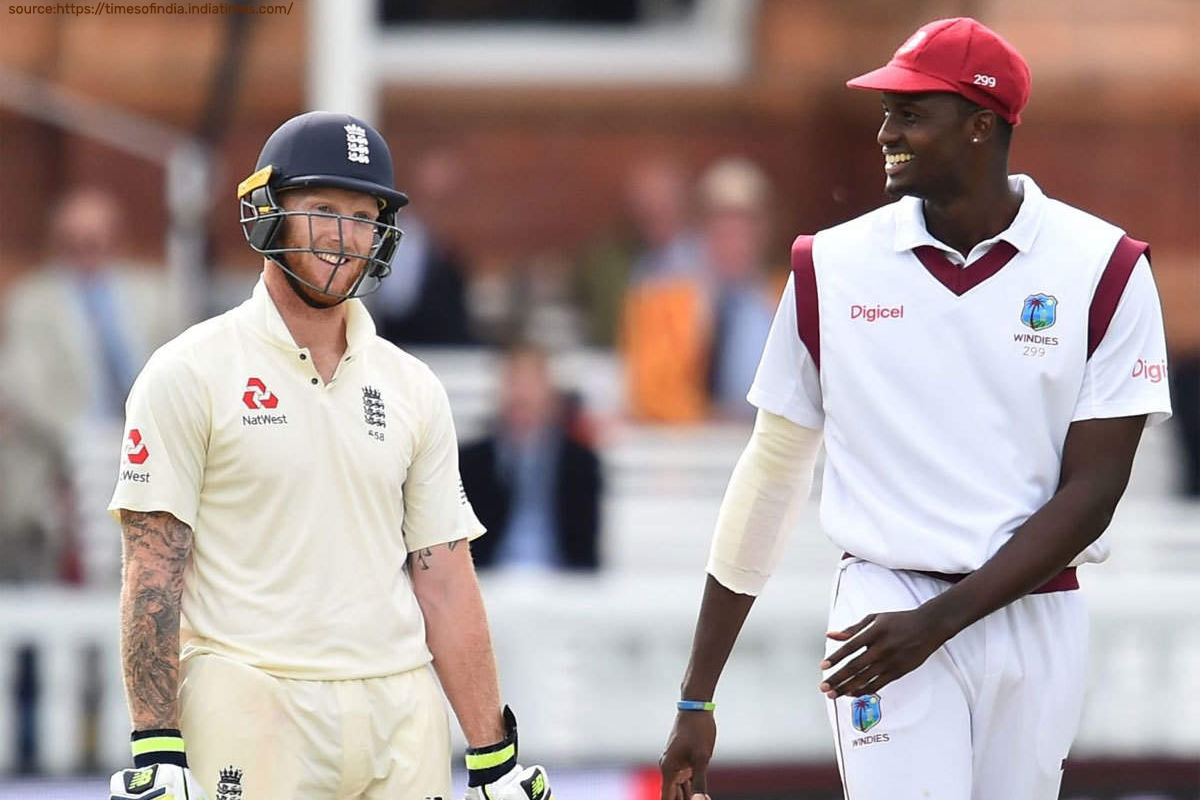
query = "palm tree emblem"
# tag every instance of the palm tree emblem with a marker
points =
(865, 713)
(1039, 311)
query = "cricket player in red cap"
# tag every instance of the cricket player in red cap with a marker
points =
(980, 361)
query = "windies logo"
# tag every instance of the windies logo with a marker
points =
(135, 450)
(229, 784)
(865, 712)
(1039, 311)
(256, 395)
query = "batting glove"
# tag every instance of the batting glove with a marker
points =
(530, 783)
(160, 770)
(494, 774)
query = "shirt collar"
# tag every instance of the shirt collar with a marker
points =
(265, 317)
(911, 231)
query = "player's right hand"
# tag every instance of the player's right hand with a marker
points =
(160, 781)
(684, 762)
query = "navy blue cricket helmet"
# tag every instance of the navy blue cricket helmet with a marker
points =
(323, 149)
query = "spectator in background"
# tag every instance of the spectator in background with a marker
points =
(76, 332)
(735, 228)
(696, 318)
(659, 202)
(655, 239)
(423, 301)
(79, 329)
(532, 483)
(665, 319)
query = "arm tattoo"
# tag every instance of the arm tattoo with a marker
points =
(424, 555)
(157, 549)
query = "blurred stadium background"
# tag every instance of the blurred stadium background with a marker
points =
(563, 156)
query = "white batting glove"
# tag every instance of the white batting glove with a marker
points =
(530, 783)
(494, 774)
(159, 769)
(162, 781)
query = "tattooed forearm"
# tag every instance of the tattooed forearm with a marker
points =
(157, 549)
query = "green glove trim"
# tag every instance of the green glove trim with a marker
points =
(489, 764)
(161, 746)
(165, 744)
(493, 759)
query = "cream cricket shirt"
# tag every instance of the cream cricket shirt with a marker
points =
(946, 392)
(305, 498)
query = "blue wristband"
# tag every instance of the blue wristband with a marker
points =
(695, 705)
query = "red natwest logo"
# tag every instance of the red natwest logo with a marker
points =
(256, 395)
(135, 451)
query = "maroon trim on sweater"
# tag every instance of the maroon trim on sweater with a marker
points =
(808, 319)
(961, 280)
(1064, 581)
(1112, 285)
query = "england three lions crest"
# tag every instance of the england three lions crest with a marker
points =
(229, 784)
(1039, 311)
(374, 410)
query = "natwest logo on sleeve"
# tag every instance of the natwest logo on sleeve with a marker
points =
(135, 450)
(256, 395)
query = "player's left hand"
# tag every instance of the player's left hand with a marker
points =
(494, 774)
(896, 642)
(529, 783)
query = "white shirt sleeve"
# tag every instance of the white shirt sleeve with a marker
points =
(788, 383)
(1127, 374)
(167, 421)
(436, 509)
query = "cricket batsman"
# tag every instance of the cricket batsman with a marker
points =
(298, 597)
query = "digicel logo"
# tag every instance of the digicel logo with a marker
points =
(256, 395)
(135, 451)
(872, 313)
(1149, 370)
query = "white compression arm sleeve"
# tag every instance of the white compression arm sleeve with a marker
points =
(769, 486)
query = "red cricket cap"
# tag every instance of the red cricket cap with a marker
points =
(959, 55)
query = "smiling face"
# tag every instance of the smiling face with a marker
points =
(342, 245)
(927, 143)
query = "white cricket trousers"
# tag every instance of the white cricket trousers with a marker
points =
(377, 739)
(989, 716)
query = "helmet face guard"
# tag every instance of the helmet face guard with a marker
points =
(263, 221)
(323, 149)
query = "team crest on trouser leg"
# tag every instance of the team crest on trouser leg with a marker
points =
(1039, 311)
(865, 712)
(229, 784)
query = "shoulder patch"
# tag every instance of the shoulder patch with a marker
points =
(1110, 288)
(805, 284)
